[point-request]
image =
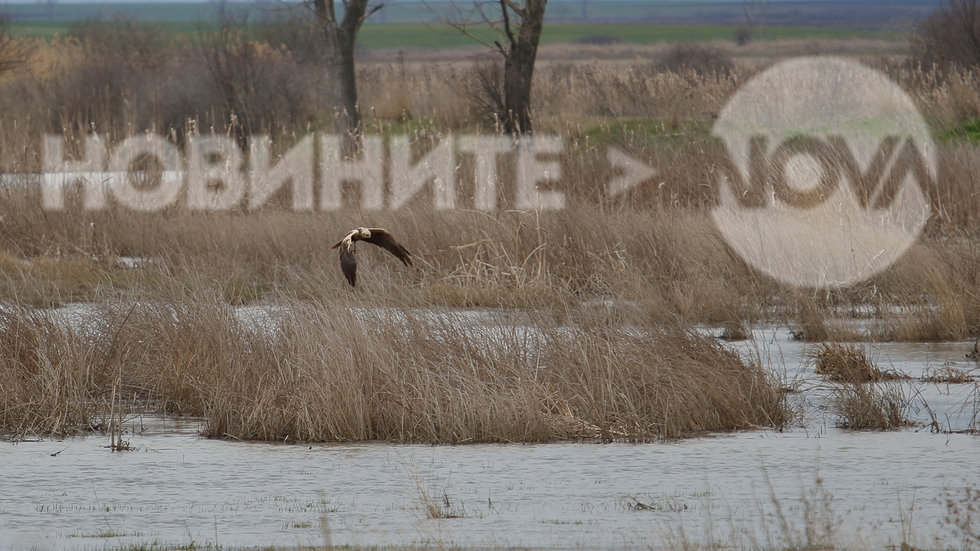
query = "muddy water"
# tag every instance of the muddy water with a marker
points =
(748, 489)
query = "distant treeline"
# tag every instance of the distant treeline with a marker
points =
(851, 14)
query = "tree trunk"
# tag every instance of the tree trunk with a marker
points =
(340, 39)
(342, 89)
(519, 67)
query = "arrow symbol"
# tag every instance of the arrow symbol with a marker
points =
(635, 172)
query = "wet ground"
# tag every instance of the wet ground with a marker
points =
(758, 489)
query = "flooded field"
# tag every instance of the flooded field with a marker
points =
(813, 485)
(186, 363)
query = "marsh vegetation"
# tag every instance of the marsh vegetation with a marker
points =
(339, 372)
(396, 360)
(618, 319)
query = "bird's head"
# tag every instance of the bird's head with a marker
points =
(363, 233)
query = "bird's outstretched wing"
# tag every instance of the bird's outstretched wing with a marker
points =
(348, 265)
(347, 237)
(384, 240)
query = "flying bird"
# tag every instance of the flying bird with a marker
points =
(376, 236)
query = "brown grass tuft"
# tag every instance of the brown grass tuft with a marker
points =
(848, 363)
(946, 374)
(870, 407)
(735, 330)
(811, 325)
(49, 374)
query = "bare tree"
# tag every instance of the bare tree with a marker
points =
(951, 35)
(13, 52)
(754, 12)
(240, 75)
(221, 12)
(340, 37)
(519, 24)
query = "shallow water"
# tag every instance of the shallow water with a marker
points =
(747, 489)
(953, 407)
(179, 488)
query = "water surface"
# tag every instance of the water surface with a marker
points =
(760, 488)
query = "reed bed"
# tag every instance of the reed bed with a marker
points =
(657, 246)
(48, 374)
(651, 259)
(669, 263)
(329, 372)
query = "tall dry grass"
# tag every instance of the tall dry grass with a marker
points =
(670, 263)
(52, 376)
(871, 407)
(409, 378)
(610, 284)
(329, 372)
(657, 247)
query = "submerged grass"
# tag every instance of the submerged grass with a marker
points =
(871, 407)
(946, 374)
(848, 363)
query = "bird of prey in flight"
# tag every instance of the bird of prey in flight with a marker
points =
(376, 236)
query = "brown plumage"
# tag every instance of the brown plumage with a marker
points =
(376, 236)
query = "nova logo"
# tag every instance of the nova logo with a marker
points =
(828, 166)
(875, 185)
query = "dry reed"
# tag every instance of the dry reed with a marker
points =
(848, 363)
(305, 372)
(963, 515)
(946, 374)
(50, 374)
(655, 251)
(870, 407)
(433, 377)
(670, 262)
(657, 246)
